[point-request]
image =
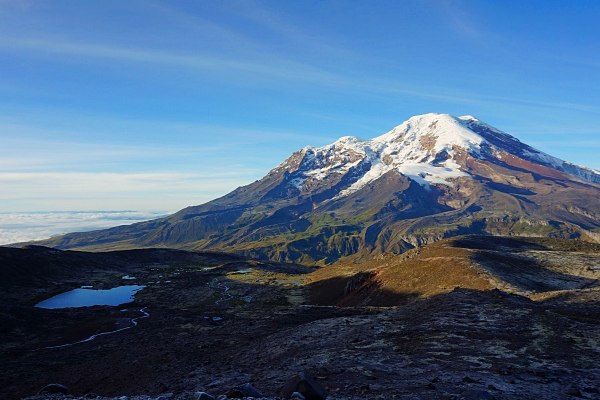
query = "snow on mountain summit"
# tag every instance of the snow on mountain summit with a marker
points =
(428, 148)
(438, 131)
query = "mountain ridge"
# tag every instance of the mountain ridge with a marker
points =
(434, 176)
(428, 139)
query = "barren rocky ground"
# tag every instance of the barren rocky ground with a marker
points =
(470, 318)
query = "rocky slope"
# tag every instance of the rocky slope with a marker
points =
(434, 176)
(537, 268)
(473, 317)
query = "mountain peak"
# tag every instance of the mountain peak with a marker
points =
(428, 148)
(433, 132)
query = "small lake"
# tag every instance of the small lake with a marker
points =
(243, 271)
(92, 297)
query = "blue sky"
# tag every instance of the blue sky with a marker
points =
(156, 105)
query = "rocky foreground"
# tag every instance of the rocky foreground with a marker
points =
(301, 386)
(522, 326)
(464, 345)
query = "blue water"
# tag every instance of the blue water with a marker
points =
(91, 297)
(243, 271)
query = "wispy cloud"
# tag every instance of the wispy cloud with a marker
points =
(65, 122)
(199, 26)
(102, 190)
(84, 183)
(275, 68)
(24, 154)
(44, 144)
(460, 19)
(269, 68)
(293, 34)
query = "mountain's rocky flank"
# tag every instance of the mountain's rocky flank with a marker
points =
(432, 177)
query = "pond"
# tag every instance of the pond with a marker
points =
(92, 297)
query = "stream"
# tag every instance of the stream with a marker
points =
(133, 323)
(215, 284)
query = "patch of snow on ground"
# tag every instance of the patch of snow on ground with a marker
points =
(426, 174)
(297, 182)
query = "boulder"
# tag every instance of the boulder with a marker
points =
(304, 384)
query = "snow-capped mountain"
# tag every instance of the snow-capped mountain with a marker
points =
(431, 177)
(428, 149)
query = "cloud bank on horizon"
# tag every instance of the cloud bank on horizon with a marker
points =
(23, 227)
(197, 98)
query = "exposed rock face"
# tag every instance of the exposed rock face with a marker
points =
(434, 176)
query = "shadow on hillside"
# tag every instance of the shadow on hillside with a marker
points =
(506, 258)
(496, 243)
(361, 289)
(528, 274)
